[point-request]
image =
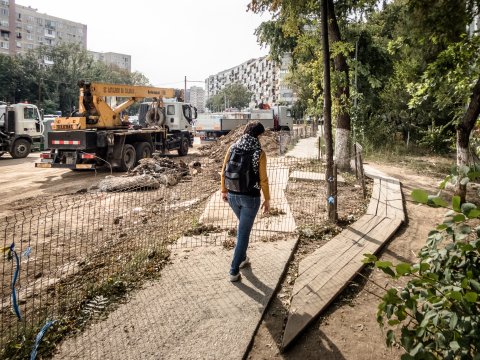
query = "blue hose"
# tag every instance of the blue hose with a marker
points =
(15, 277)
(38, 339)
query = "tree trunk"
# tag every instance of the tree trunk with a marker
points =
(464, 129)
(327, 114)
(342, 96)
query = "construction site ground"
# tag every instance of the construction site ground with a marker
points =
(195, 312)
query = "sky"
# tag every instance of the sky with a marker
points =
(167, 40)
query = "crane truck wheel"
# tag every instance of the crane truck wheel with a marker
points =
(128, 158)
(143, 150)
(20, 149)
(183, 150)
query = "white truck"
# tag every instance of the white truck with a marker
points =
(214, 125)
(98, 134)
(21, 129)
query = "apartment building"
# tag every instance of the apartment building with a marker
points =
(197, 98)
(122, 61)
(262, 76)
(23, 28)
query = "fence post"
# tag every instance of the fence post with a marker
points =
(360, 170)
(356, 162)
(335, 173)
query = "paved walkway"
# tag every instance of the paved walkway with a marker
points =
(305, 148)
(193, 311)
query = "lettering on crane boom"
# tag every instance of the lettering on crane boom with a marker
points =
(128, 91)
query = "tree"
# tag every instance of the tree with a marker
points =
(451, 81)
(237, 95)
(48, 76)
(233, 96)
(292, 33)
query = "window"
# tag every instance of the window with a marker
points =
(19, 16)
(4, 2)
(30, 113)
(30, 18)
(40, 21)
(170, 110)
(4, 23)
(3, 44)
(29, 46)
(19, 44)
(4, 12)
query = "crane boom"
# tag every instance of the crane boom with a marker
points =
(94, 112)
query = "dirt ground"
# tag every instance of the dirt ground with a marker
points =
(348, 329)
(22, 186)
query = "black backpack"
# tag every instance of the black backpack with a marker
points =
(239, 174)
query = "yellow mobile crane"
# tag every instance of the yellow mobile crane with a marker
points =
(97, 133)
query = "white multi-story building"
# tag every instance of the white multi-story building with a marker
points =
(23, 28)
(263, 77)
(122, 61)
(197, 98)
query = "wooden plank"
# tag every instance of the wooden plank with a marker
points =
(372, 206)
(317, 296)
(326, 267)
(337, 244)
(382, 200)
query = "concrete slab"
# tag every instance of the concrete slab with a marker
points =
(192, 312)
(218, 212)
(312, 176)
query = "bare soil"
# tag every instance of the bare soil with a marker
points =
(348, 329)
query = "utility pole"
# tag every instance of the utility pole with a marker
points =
(39, 104)
(185, 90)
(327, 116)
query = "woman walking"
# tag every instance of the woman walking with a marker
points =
(244, 174)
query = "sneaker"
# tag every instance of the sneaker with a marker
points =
(234, 278)
(244, 263)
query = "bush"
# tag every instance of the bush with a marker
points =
(437, 313)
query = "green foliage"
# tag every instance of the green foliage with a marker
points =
(53, 84)
(232, 96)
(437, 313)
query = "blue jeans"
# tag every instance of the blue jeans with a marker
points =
(245, 208)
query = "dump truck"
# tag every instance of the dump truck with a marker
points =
(98, 133)
(20, 129)
(215, 125)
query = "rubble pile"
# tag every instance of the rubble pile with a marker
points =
(158, 166)
(150, 173)
(216, 150)
(123, 183)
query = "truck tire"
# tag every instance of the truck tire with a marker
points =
(183, 149)
(128, 158)
(21, 149)
(143, 150)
